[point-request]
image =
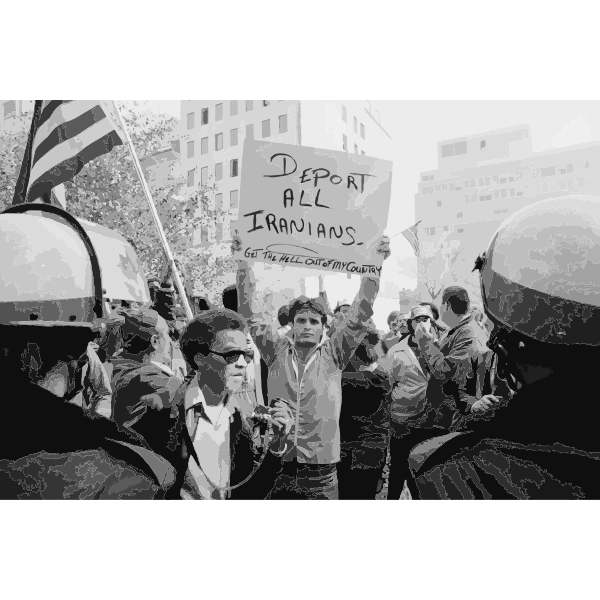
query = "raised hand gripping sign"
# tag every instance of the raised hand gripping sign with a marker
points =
(310, 207)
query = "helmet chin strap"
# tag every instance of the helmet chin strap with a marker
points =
(508, 368)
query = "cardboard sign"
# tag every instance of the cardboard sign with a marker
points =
(313, 208)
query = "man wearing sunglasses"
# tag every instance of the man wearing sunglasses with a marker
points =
(225, 447)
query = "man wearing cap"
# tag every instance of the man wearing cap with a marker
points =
(412, 418)
(144, 385)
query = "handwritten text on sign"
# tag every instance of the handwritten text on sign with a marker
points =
(314, 208)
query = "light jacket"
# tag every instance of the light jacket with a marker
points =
(409, 381)
(316, 400)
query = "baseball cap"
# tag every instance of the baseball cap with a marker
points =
(420, 311)
(141, 322)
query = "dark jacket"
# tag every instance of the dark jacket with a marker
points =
(152, 403)
(364, 416)
(538, 445)
(51, 449)
(454, 368)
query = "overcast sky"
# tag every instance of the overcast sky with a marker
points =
(417, 126)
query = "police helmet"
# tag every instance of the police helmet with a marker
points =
(49, 273)
(540, 275)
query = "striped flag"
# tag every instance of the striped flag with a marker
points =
(411, 235)
(64, 136)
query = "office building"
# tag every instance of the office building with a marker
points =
(482, 179)
(212, 134)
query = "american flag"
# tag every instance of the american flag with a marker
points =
(64, 136)
(411, 235)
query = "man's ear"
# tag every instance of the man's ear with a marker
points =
(154, 341)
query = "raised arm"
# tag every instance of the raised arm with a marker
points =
(323, 295)
(261, 326)
(350, 333)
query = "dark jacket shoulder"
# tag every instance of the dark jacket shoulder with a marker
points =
(66, 453)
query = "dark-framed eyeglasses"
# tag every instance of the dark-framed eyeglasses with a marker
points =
(233, 356)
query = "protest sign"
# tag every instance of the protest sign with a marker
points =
(314, 208)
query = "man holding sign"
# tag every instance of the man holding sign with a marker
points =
(305, 370)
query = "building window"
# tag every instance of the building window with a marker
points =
(460, 148)
(355, 149)
(501, 212)
(362, 131)
(454, 149)
(460, 230)
(250, 132)
(218, 171)
(233, 226)
(429, 230)
(355, 125)
(548, 171)
(473, 197)
(204, 233)
(219, 199)
(266, 103)
(344, 115)
(283, 124)
(459, 215)
(190, 149)
(345, 143)
(520, 192)
(219, 141)
(219, 232)
(249, 105)
(233, 137)
(512, 192)
(587, 164)
(482, 144)
(234, 167)
(466, 184)
(496, 194)
(544, 187)
(205, 116)
(190, 178)
(233, 108)
(190, 121)
(362, 152)
(439, 202)
(218, 111)
(467, 198)
(562, 185)
(446, 228)
(176, 145)
(204, 145)
(447, 150)
(204, 175)
(233, 198)
(503, 193)
(266, 128)
(580, 182)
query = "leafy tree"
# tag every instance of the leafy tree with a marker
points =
(12, 148)
(108, 191)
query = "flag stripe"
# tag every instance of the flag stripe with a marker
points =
(48, 109)
(68, 130)
(62, 114)
(411, 235)
(71, 148)
(67, 169)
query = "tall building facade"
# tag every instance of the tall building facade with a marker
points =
(484, 178)
(212, 134)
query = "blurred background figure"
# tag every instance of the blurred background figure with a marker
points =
(364, 422)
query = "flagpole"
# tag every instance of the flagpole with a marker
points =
(154, 212)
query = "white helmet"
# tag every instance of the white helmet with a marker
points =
(541, 273)
(49, 271)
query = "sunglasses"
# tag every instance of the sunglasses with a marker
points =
(234, 355)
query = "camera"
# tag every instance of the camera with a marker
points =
(261, 416)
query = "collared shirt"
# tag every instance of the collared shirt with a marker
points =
(211, 439)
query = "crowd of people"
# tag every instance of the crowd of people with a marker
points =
(125, 400)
